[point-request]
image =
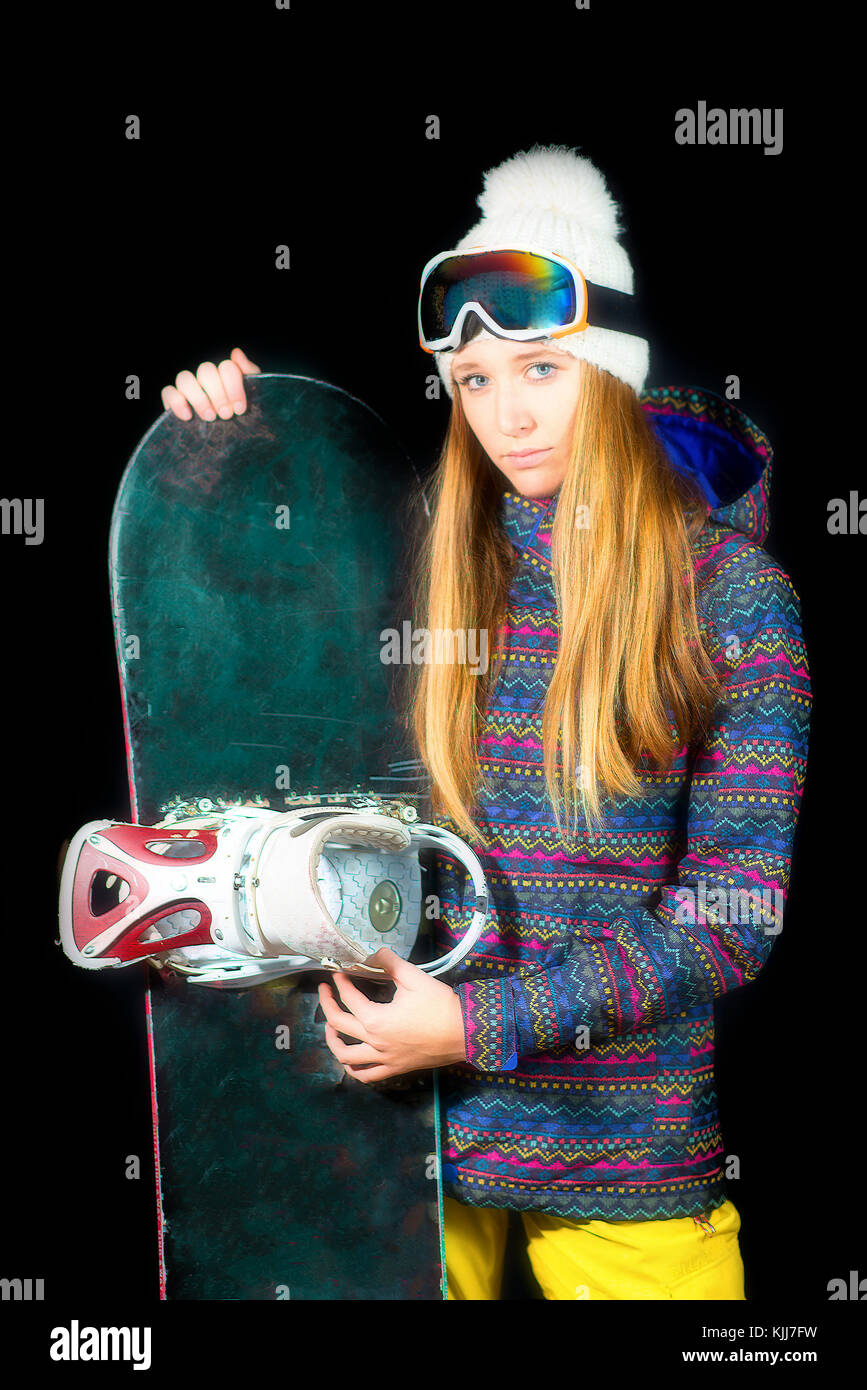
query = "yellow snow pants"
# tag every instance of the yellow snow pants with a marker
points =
(681, 1258)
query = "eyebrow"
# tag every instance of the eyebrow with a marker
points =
(518, 357)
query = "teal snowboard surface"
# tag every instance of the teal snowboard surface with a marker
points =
(255, 566)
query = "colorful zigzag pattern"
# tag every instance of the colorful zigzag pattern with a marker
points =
(589, 1087)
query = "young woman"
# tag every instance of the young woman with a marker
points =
(629, 766)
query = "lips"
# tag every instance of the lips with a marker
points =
(528, 460)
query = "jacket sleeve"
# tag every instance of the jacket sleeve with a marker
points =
(649, 964)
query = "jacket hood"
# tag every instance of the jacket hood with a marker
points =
(708, 438)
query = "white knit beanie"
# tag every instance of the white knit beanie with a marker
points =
(553, 199)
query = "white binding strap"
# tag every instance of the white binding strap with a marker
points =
(302, 922)
(288, 904)
(438, 838)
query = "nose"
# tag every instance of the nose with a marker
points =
(514, 419)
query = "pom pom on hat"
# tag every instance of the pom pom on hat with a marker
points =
(551, 178)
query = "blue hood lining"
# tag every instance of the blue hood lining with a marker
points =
(725, 467)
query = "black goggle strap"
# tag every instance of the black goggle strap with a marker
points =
(613, 309)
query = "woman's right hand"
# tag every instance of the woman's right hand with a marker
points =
(212, 391)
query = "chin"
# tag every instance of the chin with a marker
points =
(535, 483)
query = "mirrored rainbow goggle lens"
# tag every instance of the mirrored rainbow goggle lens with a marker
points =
(517, 288)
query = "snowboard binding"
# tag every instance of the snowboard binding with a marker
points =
(232, 895)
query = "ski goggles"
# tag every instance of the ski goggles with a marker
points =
(517, 293)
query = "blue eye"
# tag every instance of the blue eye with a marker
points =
(479, 376)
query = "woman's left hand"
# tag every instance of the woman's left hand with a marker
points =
(421, 1027)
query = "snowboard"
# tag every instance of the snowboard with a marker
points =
(254, 565)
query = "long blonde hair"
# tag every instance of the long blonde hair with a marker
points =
(632, 678)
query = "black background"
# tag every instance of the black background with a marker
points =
(307, 127)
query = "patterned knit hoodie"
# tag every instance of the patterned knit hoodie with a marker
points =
(618, 1120)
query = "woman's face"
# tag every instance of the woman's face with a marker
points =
(519, 397)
